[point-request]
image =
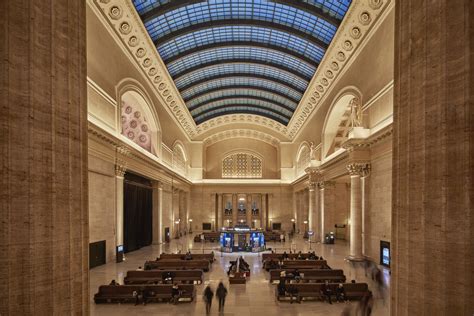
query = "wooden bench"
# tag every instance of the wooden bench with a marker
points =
(178, 265)
(156, 276)
(195, 256)
(208, 236)
(311, 275)
(299, 264)
(157, 293)
(354, 291)
(279, 256)
(238, 278)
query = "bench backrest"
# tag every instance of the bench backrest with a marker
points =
(308, 272)
(279, 256)
(297, 264)
(316, 287)
(156, 274)
(122, 290)
(177, 264)
(195, 256)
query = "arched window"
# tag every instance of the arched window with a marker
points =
(179, 159)
(340, 119)
(137, 121)
(303, 159)
(242, 165)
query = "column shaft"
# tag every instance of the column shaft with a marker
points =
(356, 218)
(322, 222)
(119, 173)
(157, 212)
(44, 232)
(433, 154)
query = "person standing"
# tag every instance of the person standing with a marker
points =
(221, 293)
(208, 295)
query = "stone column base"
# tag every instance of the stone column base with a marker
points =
(355, 258)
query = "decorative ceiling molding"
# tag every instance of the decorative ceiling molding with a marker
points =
(242, 133)
(242, 118)
(348, 41)
(122, 18)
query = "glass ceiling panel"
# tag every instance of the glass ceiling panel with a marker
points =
(241, 53)
(249, 102)
(241, 92)
(336, 8)
(241, 109)
(243, 34)
(260, 10)
(241, 68)
(241, 77)
(143, 6)
(237, 81)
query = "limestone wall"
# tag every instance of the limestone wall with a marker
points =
(378, 219)
(102, 204)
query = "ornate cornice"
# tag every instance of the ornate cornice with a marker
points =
(242, 133)
(242, 118)
(349, 40)
(123, 21)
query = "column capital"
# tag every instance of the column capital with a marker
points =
(120, 170)
(157, 185)
(326, 184)
(361, 169)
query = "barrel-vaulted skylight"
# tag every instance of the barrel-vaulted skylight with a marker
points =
(242, 56)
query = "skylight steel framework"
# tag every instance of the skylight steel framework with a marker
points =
(270, 49)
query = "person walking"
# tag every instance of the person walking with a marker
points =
(221, 293)
(208, 295)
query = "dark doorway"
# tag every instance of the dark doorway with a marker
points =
(137, 211)
(96, 254)
(167, 234)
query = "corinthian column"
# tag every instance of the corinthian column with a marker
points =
(157, 212)
(119, 174)
(356, 171)
(312, 217)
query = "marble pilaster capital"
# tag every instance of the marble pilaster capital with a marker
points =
(120, 170)
(157, 185)
(326, 184)
(361, 169)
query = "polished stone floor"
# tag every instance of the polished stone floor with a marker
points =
(254, 298)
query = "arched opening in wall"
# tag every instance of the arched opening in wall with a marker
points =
(340, 120)
(242, 164)
(303, 158)
(179, 158)
(138, 123)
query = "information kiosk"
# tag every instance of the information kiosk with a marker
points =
(242, 238)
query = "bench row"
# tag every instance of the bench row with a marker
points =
(158, 276)
(300, 291)
(311, 275)
(178, 265)
(152, 293)
(298, 264)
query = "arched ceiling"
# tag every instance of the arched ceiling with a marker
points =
(242, 56)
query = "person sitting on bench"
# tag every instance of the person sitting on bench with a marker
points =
(188, 256)
(285, 255)
(326, 291)
(312, 256)
(293, 291)
(167, 277)
(300, 256)
(340, 293)
(113, 282)
(175, 294)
